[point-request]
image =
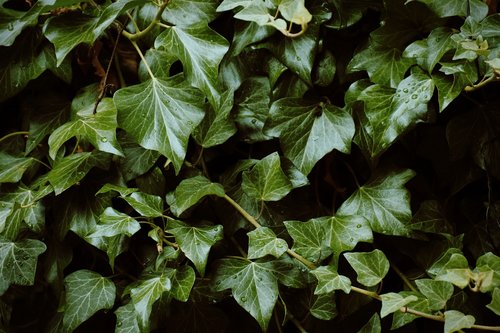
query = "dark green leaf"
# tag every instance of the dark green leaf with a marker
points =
(372, 326)
(137, 160)
(190, 191)
(115, 223)
(189, 12)
(195, 242)
(145, 204)
(308, 131)
(309, 239)
(159, 61)
(13, 22)
(263, 241)
(430, 218)
(18, 261)
(252, 284)
(325, 70)
(457, 8)
(182, 283)
(384, 202)
(126, 319)
(371, 267)
(266, 180)
(324, 307)
(160, 115)
(86, 293)
(12, 168)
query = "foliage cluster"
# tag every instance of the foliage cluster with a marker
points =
(247, 165)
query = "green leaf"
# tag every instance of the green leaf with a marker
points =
(384, 202)
(159, 61)
(495, 302)
(200, 50)
(308, 131)
(453, 267)
(122, 190)
(309, 239)
(161, 114)
(195, 242)
(146, 292)
(487, 272)
(430, 218)
(18, 261)
(329, 280)
(450, 86)
(13, 22)
(190, 191)
(266, 180)
(384, 66)
(387, 113)
(372, 326)
(182, 282)
(218, 125)
(456, 320)
(190, 12)
(371, 267)
(12, 168)
(145, 204)
(252, 285)
(115, 223)
(137, 160)
(437, 292)
(325, 70)
(71, 169)
(457, 8)
(86, 293)
(294, 11)
(400, 319)
(324, 307)
(392, 302)
(126, 319)
(69, 30)
(263, 241)
(99, 129)
(247, 33)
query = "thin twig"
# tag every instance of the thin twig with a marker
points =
(13, 134)
(403, 277)
(152, 24)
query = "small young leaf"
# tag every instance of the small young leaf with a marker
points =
(392, 302)
(263, 241)
(190, 191)
(437, 292)
(329, 280)
(456, 320)
(115, 223)
(195, 242)
(309, 239)
(371, 267)
(86, 293)
(182, 283)
(372, 326)
(324, 307)
(266, 180)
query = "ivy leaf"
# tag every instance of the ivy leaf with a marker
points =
(324, 307)
(145, 204)
(371, 267)
(137, 160)
(372, 326)
(329, 280)
(266, 180)
(495, 302)
(115, 223)
(147, 291)
(86, 293)
(252, 284)
(294, 11)
(400, 319)
(450, 86)
(126, 319)
(195, 242)
(309, 239)
(430, 218)
(161, 114)
(263, 241)
(453, 267)
(384, 202)
(384, 66)
(12, 168)
(392, 302)
(217, 126)
(200, 50)
(182, 282)
(456, 320)
(99, 129)
(457, 8)
(387, 113)
(185, 12)
(309, 131)
(18, 261)
(69, 30)
(487, 272)
(190, 191)
(71, 169)
(438, 292)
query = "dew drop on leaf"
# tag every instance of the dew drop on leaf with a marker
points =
(254, 121)
(413, 96)
(405, 90)
(119, 324)
(243, 299)
(10, 27)
(104, 140)
(359, 226)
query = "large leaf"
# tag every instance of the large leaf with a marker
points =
(200, 50)
(86, 293)
(329, 280)
(69, 30)
(114, 223)
(266, 180)
(388, 113)
(263, 241)
(308, 131)
(371, 267)
(309, 239)
(190, 12)
(456, 320)
(392, 302)
(12, 168)
(145, 204)
(437, 292)
(99, 129)
(190, 191)
(161, 114)
(18, 261)
(252, 284)
(195, 242)
(384, 202)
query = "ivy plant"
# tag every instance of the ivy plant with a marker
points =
(249, 165)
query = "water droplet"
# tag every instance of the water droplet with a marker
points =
(81, 173)
(359, 226)
(218, 282)
(119, 324)
(243, 299)
(406, 101)
(297, 58)
(197, 242)
(398, 95)
(280, 245)
(143, 115)
(254, 121)
(190, 122)
(214, 301)
(235, 276)
(10, 27)
(413, 96)
(315, 138)
(405, 90)
(351, 240)
(104, 140)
